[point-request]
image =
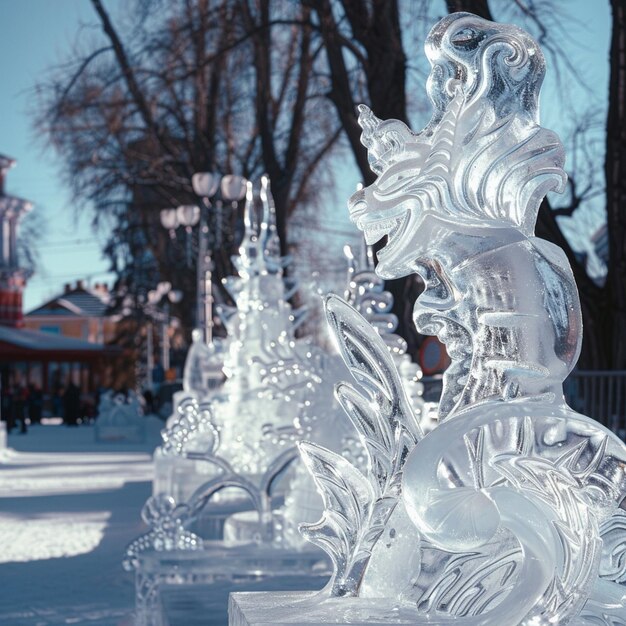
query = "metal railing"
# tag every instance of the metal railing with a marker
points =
(600, 394)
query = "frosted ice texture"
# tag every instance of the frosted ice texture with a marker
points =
(269, 372)
(367, 294)
(507, 513)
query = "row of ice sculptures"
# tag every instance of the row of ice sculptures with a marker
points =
(510, 510)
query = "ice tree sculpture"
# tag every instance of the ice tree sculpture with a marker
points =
(268, 370)
(509, 512)
(262, 323)
(273, 394)
(367, 294)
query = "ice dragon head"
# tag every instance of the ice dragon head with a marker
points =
(483, 159)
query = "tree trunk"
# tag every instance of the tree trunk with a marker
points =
(477, 7)
(615, 171)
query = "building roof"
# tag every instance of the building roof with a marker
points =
(6, 162)
(19, 342)
(77, 302)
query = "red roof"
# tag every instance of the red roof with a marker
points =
(32, 345)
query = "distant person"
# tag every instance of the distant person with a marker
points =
(35, 403)
(158, 377)
(57, 398)
(20, 407)
(71, 404)
(148, 396)
(8, 414)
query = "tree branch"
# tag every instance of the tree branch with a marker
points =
(129, 77)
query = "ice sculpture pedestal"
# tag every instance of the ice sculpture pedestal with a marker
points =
(193, 606)
(300, 608)
(4, 450)
(220, 566)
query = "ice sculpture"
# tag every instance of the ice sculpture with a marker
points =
(269, 372)
(510, 511)
(204, 367)
(214, 513)
(367, 294)
(120, 417)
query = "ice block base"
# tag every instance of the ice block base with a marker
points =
(219, 564)
(305, 608)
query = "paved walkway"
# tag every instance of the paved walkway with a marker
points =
(68, 507)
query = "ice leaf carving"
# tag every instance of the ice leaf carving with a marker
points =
(464, 584)
(348, 502)
(376, 434)
(370, 362)
(357, 507)
(167, 531)
(195, 424)
(560, 485)
(613, 533)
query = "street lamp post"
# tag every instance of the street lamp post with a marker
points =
(149, 356)
(165, 294)
(208, 299)
(205, 185)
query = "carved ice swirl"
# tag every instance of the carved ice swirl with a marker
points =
(513, 499)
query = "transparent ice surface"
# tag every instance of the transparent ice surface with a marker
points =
(269, 372)
(325, 421)
(508, 511)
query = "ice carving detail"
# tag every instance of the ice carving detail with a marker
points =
(167, 531)
(357, 507)
(513, 498)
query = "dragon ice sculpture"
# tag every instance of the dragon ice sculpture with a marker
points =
(508, 512)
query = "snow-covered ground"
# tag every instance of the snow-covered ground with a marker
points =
(68, 507)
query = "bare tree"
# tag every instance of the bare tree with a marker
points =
(218, 85)
(248, 86)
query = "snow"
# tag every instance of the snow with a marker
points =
(68, 508)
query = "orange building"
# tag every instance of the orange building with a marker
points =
(79, 312)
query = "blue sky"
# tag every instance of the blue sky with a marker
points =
(35, 34)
